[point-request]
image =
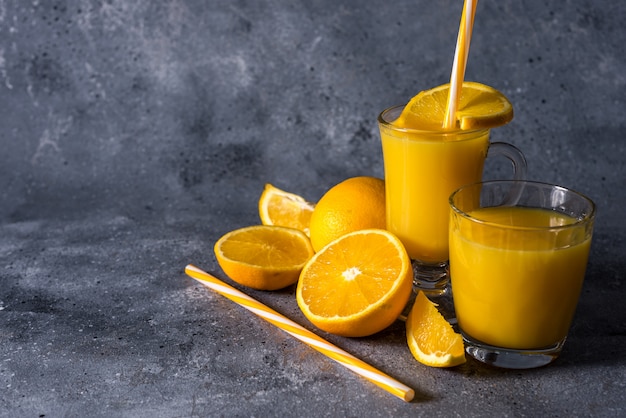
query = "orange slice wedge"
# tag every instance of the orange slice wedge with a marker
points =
(278, 207)
(356, 285)
(263, 257)
(479, 107)
(431, 339)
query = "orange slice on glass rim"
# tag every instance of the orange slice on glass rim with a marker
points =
(480, 107)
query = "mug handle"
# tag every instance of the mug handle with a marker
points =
(518, 161)
(513, 154)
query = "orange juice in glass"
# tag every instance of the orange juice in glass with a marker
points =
(421, 170)
(423, 166)
(518, 254)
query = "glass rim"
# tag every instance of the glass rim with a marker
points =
(456, 132)
(588, 217)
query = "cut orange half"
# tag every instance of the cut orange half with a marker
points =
(479, 107)
(263, 257)
(356, 285)
(431, 339)
(278, 207)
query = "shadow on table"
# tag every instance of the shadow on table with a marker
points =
(599, 326)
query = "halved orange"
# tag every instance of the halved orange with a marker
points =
(431, 338)
(356, 285)
(278, 207)
(263, 257)
(479, 107)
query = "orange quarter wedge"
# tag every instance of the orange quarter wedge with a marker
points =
(278, 207)
(431, 338)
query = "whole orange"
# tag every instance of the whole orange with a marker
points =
(352, 205)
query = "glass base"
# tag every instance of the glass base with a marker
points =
(432, 279)
(509, 358)
(442, 299)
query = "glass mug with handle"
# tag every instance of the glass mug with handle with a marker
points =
(422, 168)
(518, 255)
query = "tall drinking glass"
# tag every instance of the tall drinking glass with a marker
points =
(518, 254)
(422, 169)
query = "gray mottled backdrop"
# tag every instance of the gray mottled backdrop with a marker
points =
(133, 133)
(130, 105)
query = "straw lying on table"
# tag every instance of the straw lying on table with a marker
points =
(460, 61)
(345, 359)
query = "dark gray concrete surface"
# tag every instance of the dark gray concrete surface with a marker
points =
(133, 134)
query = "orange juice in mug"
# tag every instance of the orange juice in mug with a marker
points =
(518, 254)
(422, 169)
(424, 163)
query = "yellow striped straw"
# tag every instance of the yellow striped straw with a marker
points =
(460, 61)
(342, 357)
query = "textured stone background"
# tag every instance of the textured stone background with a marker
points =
(134, 133)
(129, 105)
